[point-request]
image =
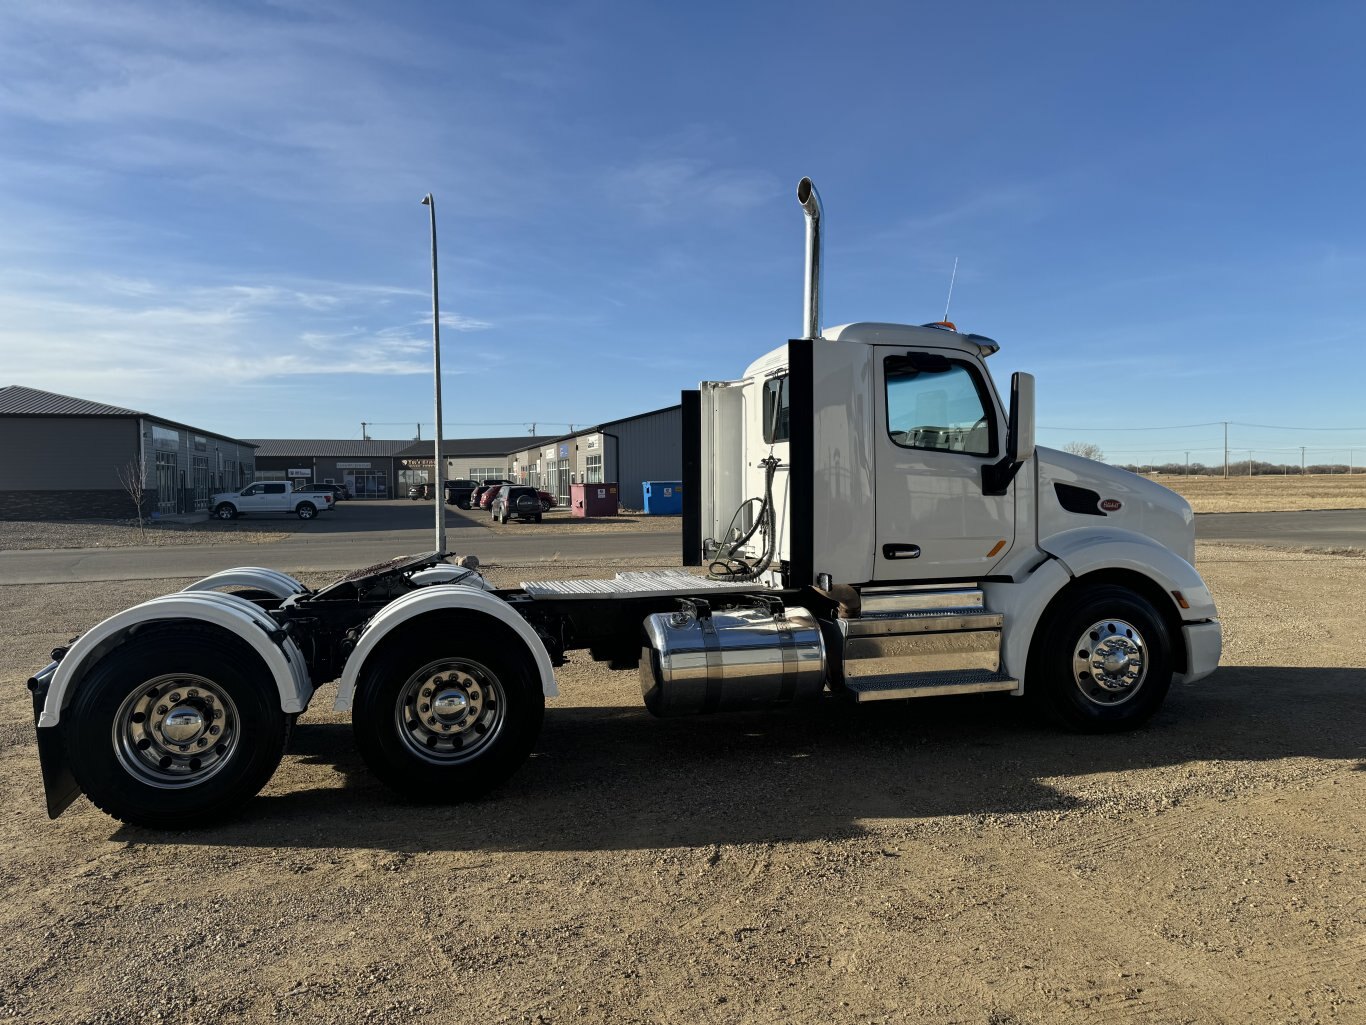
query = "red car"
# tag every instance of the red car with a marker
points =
(486, 499)
(548, 501)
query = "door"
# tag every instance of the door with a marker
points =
(938, 424)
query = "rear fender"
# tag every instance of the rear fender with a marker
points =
(435, 598)
(274, 583)
(237, 616)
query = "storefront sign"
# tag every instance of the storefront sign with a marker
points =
(353, 466)
(564, 450)
(301, 473)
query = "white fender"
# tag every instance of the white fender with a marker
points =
(1021, 606)
(430, 599)
(236, 615)
(273, 582)
(1087, 549)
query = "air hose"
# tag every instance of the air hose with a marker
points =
(727, 565)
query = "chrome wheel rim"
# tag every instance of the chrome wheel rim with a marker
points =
(450, 710)
(176, 731)
(1110, 662)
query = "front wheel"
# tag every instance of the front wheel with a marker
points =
(226, 511)
(1102, 661)
(174, 731)
(306, 511)
(450, 719)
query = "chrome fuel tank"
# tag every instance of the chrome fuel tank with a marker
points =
(703, 660)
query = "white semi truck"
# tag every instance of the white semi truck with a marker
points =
(866, 520)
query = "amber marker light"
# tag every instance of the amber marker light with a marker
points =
(1181, 599)
(1001, 544)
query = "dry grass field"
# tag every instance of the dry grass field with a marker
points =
(1269, 493)
(945, 861)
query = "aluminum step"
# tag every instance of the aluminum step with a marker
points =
(930, 685)
(930, 621)
(931, 598)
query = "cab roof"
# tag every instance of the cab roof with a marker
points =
(873, 333)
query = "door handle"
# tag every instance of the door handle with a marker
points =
(901, 551)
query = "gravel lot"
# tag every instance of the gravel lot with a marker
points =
(937, 861)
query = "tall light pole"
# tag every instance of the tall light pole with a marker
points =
(440, 469)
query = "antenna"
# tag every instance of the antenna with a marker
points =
(952, 278)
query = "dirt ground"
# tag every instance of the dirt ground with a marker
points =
(934, 861)
(1269, 493)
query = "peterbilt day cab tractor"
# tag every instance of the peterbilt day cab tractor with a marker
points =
(866, 520)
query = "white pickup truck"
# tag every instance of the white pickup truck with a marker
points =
(270, 496)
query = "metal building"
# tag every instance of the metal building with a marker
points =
(630, 451)
(69, 458)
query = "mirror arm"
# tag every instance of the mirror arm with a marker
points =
(996, 477)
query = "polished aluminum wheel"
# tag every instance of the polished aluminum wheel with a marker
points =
(450, 710)
(1110, 662)
(176, 731)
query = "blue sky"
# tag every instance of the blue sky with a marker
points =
(211, 211)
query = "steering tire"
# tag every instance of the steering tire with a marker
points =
(175, 729)
(447, 715)
(306, 511)
(226, 511)
(1101, 662)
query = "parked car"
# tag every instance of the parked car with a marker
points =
(417, 491)
(486, 499)
(267, 496)
(548, 501)
(459, 490)
(516, 501)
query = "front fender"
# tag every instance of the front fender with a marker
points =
(1088, 549)
(237, 616)
(434, 598)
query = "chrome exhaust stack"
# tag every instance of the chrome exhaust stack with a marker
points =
(810, 200)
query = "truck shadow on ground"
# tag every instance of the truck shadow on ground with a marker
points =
(606, 778)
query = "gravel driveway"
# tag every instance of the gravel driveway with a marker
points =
(938, 861)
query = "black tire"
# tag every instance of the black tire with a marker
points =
(226, 511)
(467, 645)
(306, 511)
(1063, 678)
(538, 517)
(117, 782)
(504, 518)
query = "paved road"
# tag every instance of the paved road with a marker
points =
(1337, 528)
(357, 534)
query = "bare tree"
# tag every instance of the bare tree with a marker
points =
(133, 477)
(1085, 449)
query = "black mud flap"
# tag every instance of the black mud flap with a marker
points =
(58, 783)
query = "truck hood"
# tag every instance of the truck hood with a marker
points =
(1075, 492)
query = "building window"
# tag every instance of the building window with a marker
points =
(594, 470)
(481, 472)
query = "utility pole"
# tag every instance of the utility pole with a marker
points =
(1225, 450)
(363, 435)
(419, 432)
(1188, 464)
(438, 468)
(1249, 462)
(1301, 460)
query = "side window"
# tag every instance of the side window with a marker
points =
(275, 489)
(938, 404)
(255, 489)
(776, 409)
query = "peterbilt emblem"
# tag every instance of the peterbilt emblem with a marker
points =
(1112, 505)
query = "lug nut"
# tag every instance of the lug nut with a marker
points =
(424, 708)
(213, 731)
(208, 699)
(163, 709)
(192, 693)
(175, 697)
(202, 741)
(218, 713)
